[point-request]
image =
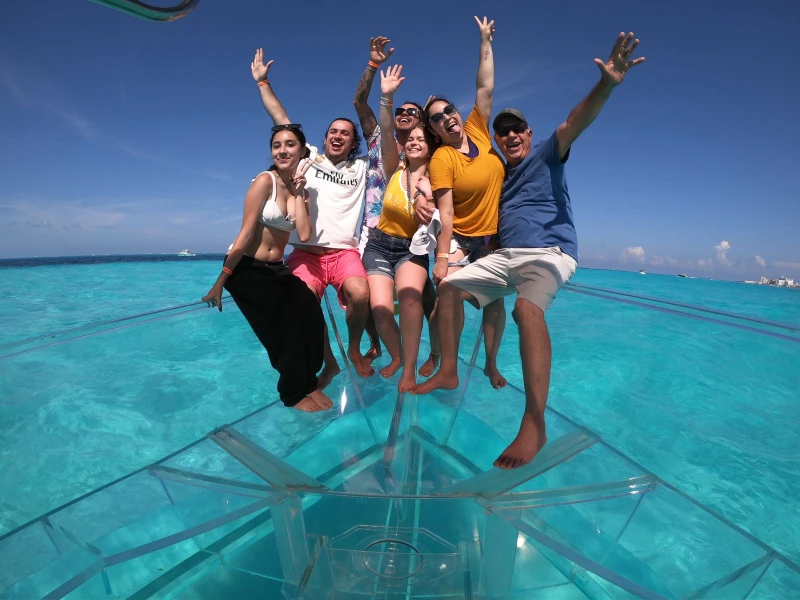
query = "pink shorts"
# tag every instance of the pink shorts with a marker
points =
(320, 270)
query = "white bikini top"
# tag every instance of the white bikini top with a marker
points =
(271, 214)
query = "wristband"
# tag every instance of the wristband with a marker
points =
(442, 255)
(263, 82)
(373, 64)
(227, 270)
(418, 193)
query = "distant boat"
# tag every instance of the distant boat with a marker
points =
(642, 272)
(682, 275)
(186, 252)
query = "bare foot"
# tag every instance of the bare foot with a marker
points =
(440, 381)
(360, 364)
(373, 352)
(427, 369)
(496, 379)
(407, 380)
(391, 368)
(314, 402)
(329, 371)
(529, 441)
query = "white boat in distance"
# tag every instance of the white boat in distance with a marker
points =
(186, 252)
(641, 272)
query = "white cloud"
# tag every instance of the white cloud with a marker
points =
(657, 261)
(634, 253)
(760, 261)
(722, 248)
(601, 257)
(705, 265)
(671, 261)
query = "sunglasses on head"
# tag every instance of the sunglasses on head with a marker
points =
(286, 126)
(518, 128)
(437, 118)
(411, 112)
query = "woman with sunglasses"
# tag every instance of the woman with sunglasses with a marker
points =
(284, 314)
(388, 259)
(466, 176)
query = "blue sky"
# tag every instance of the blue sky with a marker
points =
(124, 136)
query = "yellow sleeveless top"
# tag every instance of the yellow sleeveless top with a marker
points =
(397, 215)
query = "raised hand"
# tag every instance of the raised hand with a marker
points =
(258, 68)
(487, 28)
(392, 79)
(614, 69)
(299, 179)
(377, 49)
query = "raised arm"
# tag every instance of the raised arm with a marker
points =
(612, 72)
(268, 98)
(390, 81)
(377, 56)
(485, 80)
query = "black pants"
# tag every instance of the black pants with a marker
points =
(287, 319)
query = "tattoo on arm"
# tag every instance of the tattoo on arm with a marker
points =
(365, 114)
(485, 55)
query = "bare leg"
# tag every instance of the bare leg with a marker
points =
(534, 343)
(381, 299)
(356, 294)
(331, 367)
(450, 314)
(494, 323)
(429, 305)
(374, 339)
(410, 281)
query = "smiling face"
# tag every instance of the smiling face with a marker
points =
(408, 117)
(513, 138)
(339, 140)
(445, 121)
(417, 147)
(287, 150)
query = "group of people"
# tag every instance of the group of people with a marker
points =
(431, 183)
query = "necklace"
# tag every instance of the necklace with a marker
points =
(410, 206)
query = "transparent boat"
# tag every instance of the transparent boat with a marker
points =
(387, 496)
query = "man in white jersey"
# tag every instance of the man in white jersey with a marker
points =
(336, 185)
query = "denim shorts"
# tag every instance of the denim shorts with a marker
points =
(474, 248)
(384, 254)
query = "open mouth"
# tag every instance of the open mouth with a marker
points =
(450, 127)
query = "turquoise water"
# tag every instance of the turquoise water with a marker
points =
(711, 409)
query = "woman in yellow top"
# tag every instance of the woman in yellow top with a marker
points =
(466, 176)
(387, 256)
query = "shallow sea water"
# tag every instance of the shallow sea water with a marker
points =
(710, 408)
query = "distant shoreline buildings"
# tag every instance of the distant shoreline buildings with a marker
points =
(780, 282)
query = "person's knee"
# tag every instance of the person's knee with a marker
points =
(356, 292)
(526, 311)
(409, 298)
(382, 313)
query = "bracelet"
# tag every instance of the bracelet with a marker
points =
(227, 270)
(373, 64)
(417, 193)
(442, 255)
(385, 102)
(263, 82)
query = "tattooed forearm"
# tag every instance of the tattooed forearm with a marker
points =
(485, 55)
(365, 114)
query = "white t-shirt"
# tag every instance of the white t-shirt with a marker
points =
(336, 201)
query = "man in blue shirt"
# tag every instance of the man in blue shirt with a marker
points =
(539, 250)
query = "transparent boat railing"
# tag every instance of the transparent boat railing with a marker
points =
(386, 496)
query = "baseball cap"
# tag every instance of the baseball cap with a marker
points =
(510, 112)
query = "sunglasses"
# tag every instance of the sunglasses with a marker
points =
(411, 112)
(286, 126)
(518, 128)
(437, 118)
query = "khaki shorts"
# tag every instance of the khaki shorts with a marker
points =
(536, 274)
